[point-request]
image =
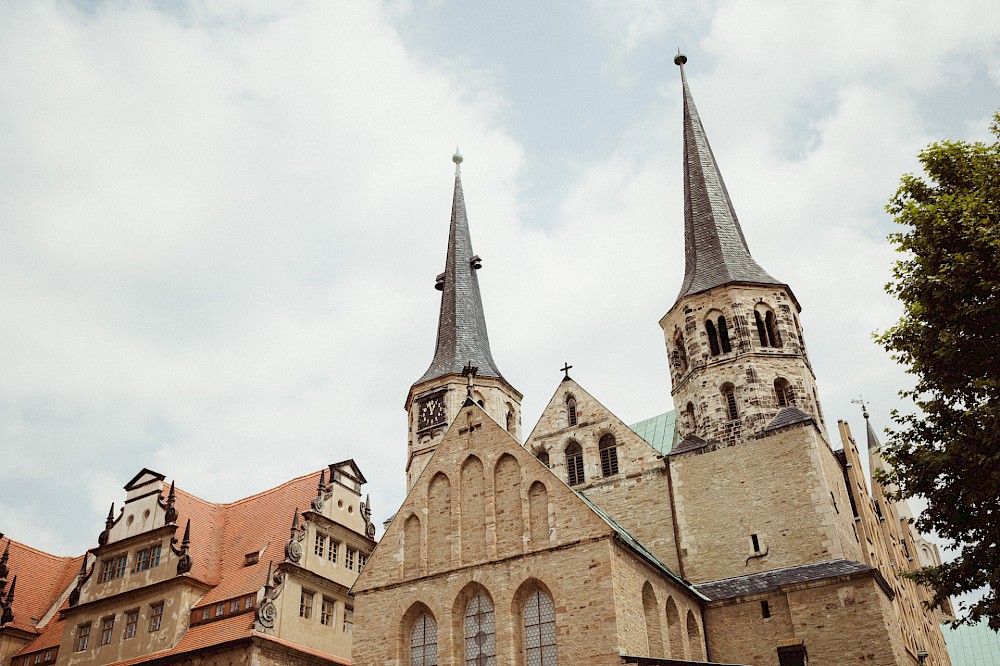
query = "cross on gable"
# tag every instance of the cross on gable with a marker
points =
(566, 368)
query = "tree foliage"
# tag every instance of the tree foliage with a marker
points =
(949, 337)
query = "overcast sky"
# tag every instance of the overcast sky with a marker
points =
(220, 222)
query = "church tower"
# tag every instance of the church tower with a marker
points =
(733, 336)
(463, 365)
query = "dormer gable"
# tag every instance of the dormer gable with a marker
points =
(145, 482)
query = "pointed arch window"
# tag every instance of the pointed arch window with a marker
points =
(480, 633)
(783, 392)
(574, 464)
(540, 630)
(729, 398)
(713, 338)
(571, 411)
(423, 642)
(609, 455)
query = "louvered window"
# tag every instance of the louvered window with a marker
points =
(571, 411)
(574, 464)
(609, 455)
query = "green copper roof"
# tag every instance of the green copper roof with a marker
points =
(658, 431)
(975, 645)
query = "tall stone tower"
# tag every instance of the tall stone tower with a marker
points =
(733, 336)
(463, 365)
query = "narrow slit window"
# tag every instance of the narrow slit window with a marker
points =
(571, 411)
(755, 542)
(761, 332)
(729, 397)
(765, 609)
(771, 325)
(713, 338)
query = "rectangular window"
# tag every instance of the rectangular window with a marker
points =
(107, 627)
(120, 564)
(349, 559)
(250, 601)
(155, 616)
(755, 542)
(83, 638)
(38, 657)
(794, 655)
(206, 613)
(306, 604)
(319, 545)
(331, 554)
(362, 560)
(48, 655)
(765, 609)
(220, 609)
(326, 613)
(131, 622)
(234, 605)
(107, 569)
(147, 558)
(348, 620)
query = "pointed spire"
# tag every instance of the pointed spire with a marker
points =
(873, 443)
(186, 541)
(295, 523)
(322, 481)
(715, 251)
(111, 516)
(461, 336)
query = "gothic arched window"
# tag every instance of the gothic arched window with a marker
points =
(729, 398)
(713, 338)
(574, 464)
(423, 642)
(571, 411)
(540, 630)
(724, 336)
(783, 392)
(480, 633)
(609, 455)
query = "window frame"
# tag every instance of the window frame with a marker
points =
(107, 629)
(609, 454)
(575, 471)
(306, 600)
(155, 617)
(131, 624)
(327, 619)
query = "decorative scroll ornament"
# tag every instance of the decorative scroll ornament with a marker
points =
(170, 515)
(366, 513)
(7, 603)
(102, 539)
(81, 578)
(266, 613)
(293, 549)
(317, 503)
(184, 561)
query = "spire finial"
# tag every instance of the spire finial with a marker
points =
(457, 159)
(680, 59)
(864, 406)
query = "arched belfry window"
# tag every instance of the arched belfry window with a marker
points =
(574, 464)
(480, 633)
(724, 336)
(713, 338)
(761, 331)
(540, 630)
(783, 392)
(510, 418)
(729, 398)
(609, 455)
(571, 411)
(680, 353)
(771, 326)
(423, 642)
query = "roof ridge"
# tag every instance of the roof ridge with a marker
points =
(223, 505)
(66, 558)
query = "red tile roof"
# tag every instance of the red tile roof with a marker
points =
(41, 580)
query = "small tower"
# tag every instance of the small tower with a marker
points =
(463, 365)
(733, 337)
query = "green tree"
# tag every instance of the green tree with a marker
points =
(949, 337)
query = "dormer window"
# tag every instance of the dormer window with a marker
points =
(251, 559)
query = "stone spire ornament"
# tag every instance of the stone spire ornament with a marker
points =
(171, 511)
(293, 549)
(7, 614)
(715, 251)
(184, 561)
(102, 539)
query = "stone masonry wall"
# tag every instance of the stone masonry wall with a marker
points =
(773, 487)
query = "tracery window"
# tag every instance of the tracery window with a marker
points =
(571, 411)
(540, 630)
(480, 633)
(423, 642)
(609, 455)
(574, 464)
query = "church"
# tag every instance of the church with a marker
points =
(733, 529)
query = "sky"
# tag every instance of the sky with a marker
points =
(220, 222)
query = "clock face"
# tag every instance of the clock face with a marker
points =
(431, 412)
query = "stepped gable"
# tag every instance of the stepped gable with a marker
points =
(769, 581)
(42, 578)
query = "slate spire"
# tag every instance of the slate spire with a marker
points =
(715, 251)
(461, 335)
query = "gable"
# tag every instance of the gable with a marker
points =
(556, 431)
(144, 478)
(482, 497)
